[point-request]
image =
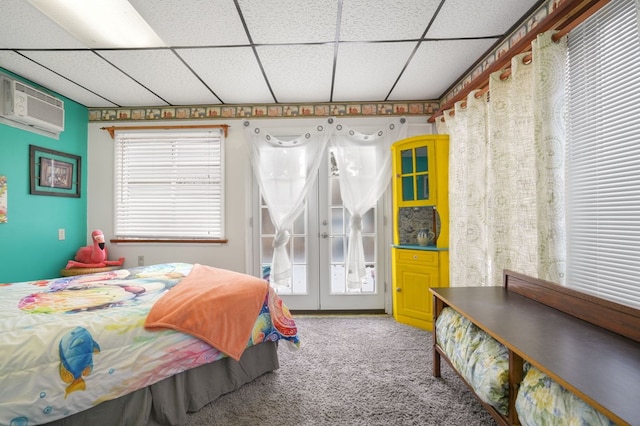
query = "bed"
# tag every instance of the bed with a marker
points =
(130, 346)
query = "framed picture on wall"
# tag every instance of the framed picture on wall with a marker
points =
(54, 173)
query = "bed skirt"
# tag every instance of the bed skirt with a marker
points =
(168, 401)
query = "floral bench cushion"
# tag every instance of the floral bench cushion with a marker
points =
(479, 358)
(543, 402)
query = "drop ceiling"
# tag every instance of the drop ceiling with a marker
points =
(265, 51)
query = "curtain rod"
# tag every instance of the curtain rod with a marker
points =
(113, 129)
(566, 17)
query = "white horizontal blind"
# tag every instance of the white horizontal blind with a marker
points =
(603, 156)
(169, 184)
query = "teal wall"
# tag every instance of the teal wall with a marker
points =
(29, 245)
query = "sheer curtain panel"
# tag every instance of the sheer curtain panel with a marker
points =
(285, 170)
(364, 165)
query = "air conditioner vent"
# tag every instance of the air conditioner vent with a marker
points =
(31, 109)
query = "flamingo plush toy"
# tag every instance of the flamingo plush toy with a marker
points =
(95, 255)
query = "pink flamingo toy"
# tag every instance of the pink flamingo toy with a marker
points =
(95, 255)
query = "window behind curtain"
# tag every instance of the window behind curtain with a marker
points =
(603, 155)
(169, 185)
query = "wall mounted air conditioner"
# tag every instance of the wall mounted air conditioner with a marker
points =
(30, 109)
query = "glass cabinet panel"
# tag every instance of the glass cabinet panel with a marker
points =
(407, 161)
(422, 163)
(407, 188)
(422, 184)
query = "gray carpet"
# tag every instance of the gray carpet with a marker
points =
(351, 370)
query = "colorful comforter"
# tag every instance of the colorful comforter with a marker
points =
(68, 344)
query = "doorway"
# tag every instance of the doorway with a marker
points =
(318, 249)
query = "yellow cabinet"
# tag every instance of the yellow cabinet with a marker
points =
(420, 203)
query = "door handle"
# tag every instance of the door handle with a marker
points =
(324, 235)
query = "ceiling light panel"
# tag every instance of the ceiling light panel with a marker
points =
(299, 73)
(89, 70)
(22, 66)
(232, 73)
(436, 66)
(479, 18)
(100, 23)
(290, 21)
(24, 26)
(154, 68)
(194, 22)
(385, 20)
(367, 71)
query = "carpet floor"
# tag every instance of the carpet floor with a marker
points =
(351, 370)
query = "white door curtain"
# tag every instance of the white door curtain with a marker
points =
(285, 170)
(506, 173)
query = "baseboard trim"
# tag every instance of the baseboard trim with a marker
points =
(340, 312)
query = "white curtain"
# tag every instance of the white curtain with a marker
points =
(285, 170)
(468, 191)
(513, 216)
(364, 167)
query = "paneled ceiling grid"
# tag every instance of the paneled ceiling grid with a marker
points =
(249, 52)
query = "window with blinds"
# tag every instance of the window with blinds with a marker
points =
(169, 185)
(603, 155)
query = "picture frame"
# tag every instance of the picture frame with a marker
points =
(54, 173)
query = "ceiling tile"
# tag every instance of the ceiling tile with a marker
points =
(193, 22)
(90, 71)
(385, 20)
(22, 66)
(436, 66)
(232, 73)
(299, 73)
(24, 26)
(367, 71)
(155, 68)
(290, 21)
(479, 18)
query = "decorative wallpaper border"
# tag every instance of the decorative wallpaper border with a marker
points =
(264, 111)
(528, 26)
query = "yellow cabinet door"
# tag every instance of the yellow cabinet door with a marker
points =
(414, 172)
(414, 272)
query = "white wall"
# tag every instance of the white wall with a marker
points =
(232, 255)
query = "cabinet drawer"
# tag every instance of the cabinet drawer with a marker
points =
(419, 257)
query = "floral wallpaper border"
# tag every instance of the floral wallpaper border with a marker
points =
(528, 26)
(264, 111)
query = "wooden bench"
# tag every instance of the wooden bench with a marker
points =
(588, 345)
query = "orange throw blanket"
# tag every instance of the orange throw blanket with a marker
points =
(215, 305)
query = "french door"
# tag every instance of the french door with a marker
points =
(318, 249)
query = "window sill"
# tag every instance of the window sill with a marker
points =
(161, 241)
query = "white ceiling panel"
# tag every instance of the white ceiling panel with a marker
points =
(385, 20)
(366, 72)
(252, 52)
(290, 21)
(90, 71)
(30, 70)
(436, 66)
(299, 73)
(24, 26)
(231, 73)
(478, 18)
(154, 68)
(194, 22)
